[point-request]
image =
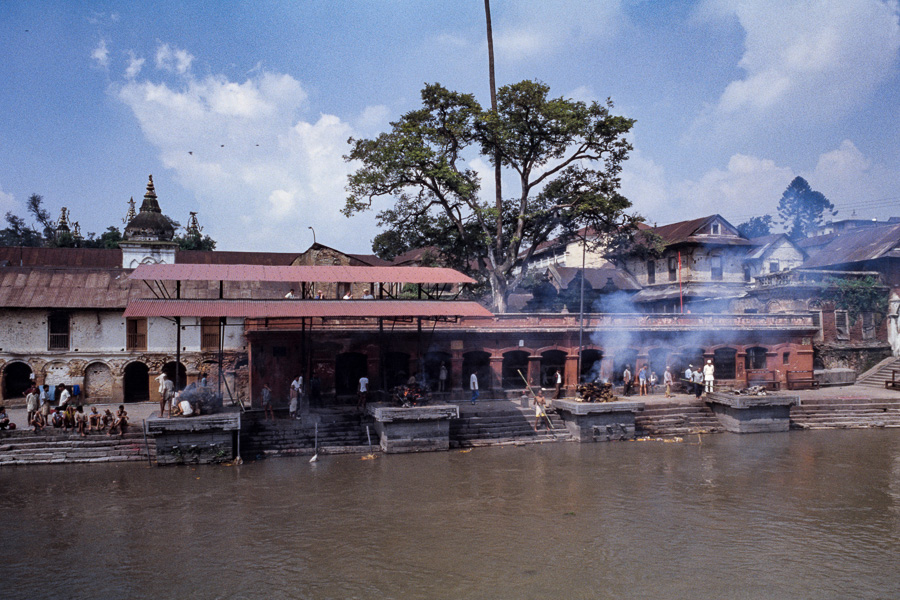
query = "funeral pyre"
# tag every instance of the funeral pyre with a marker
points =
(596, 392)
(753, 390)
(410, 395)
(199, 399)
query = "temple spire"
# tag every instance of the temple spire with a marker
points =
(131, 212)
(150, 204)
(193, 227)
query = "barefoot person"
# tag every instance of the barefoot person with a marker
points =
(539, 412)
(94, 419)
(268, 411)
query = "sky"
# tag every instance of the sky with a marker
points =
(241, 111)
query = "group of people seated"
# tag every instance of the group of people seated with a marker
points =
(74, 418)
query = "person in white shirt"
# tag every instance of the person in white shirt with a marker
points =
(361, 393)
(290, 295)
(64, 395)
(668, 380)
(473, 385)
(709, 375)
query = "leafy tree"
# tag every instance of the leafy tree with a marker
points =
(565, 155)
(109, 239)
(17, 233)
(42, 216)
(195, 242)
(756, 226)
(802, 209)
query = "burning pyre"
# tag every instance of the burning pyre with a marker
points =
(410, 395)
(596, 392)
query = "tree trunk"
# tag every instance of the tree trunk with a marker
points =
(499, 294)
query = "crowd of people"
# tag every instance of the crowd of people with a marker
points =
(60, 409)
(696, 380)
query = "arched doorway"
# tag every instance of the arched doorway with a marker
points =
(724, 363)
(551, 360)
(169, 370)
(136, 382)
(477, 362)
(98, 383)
(756, 358)
(16, 379)
(348, 368)
(433, 362)
(591, 365)
(514, 363)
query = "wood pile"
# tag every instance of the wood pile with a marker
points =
(596, 392)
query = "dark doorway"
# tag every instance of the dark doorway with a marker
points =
(169, 370)
(479, 363)
(136, 383)
(551, 360)
(396, 368)
(659, 359)
(349, 367)
(514, 363)
(16, 379)
(724, 363)
(433, 361)
(591, 363)
(756, 358)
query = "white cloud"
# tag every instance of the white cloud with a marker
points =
(536, 27)
(135, 65)
(173, 60)
(854, 182)
(7, 202)
(100, 54)
(805, 61)
(260, 171)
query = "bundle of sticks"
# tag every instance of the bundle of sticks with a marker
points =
(596, 392)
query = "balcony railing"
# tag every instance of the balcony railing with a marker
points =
(814, 278)
(136, 341)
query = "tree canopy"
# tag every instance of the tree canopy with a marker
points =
(564, 155)
(756, 226)
(802, 209)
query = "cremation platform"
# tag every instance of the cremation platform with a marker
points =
(195, 440)
(599, 421)
(752, 414)
(413, 429)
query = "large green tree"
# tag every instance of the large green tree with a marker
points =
(802, 209)
(564, 155)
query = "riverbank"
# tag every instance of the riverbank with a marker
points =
(491, 422)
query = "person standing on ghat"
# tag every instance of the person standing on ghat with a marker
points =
(667, 380)
(361, 393)
(473, 385)
(267, 402)
(709, 375)
(558, 385)
(698, 382)
(442, 378)
(689, 379)
(627, 380)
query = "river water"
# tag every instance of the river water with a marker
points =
(797, 515)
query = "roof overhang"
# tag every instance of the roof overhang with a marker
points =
(304, 308)
(296, 274)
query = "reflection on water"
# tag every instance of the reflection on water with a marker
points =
(798, 515)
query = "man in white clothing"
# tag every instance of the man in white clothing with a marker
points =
(708, 375)
(473, 385)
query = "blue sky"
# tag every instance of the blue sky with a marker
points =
(241, 110)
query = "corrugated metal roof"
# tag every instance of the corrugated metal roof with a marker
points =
(92, 258)
(224, 257)
(321, 274)
(303, 308)
(855, 246)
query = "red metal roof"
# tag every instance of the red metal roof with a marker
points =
(304, 308)
(320, 274)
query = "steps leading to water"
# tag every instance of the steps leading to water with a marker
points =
(829, 413)
(24, 447)
(684, 417)
(338, 432)
(496, 426)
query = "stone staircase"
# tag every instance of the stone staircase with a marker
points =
(831, 413)
(24, 447)
(508, 425)
(339, 432)
(684, 417)
(877, 375)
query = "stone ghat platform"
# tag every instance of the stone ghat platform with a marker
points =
(413, 429)
(599, 421)
(752, 414)
(195, 440)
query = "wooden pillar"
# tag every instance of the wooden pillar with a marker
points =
(571, 375)
(496, 381)
(534, 371)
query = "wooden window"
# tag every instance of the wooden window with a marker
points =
(868, 325)
(136, 334)
(673, 268)
(786, 358)
(817, 323)
(58, 331)
(209, 334)
(840, 324)
(756, 358)
(715, 229)
(715, 267)
(651, 271)
(773, 266)
(747, 274)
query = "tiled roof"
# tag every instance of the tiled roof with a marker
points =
(304, 308)
(95, 258)
(337, 273)
(597, 277)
